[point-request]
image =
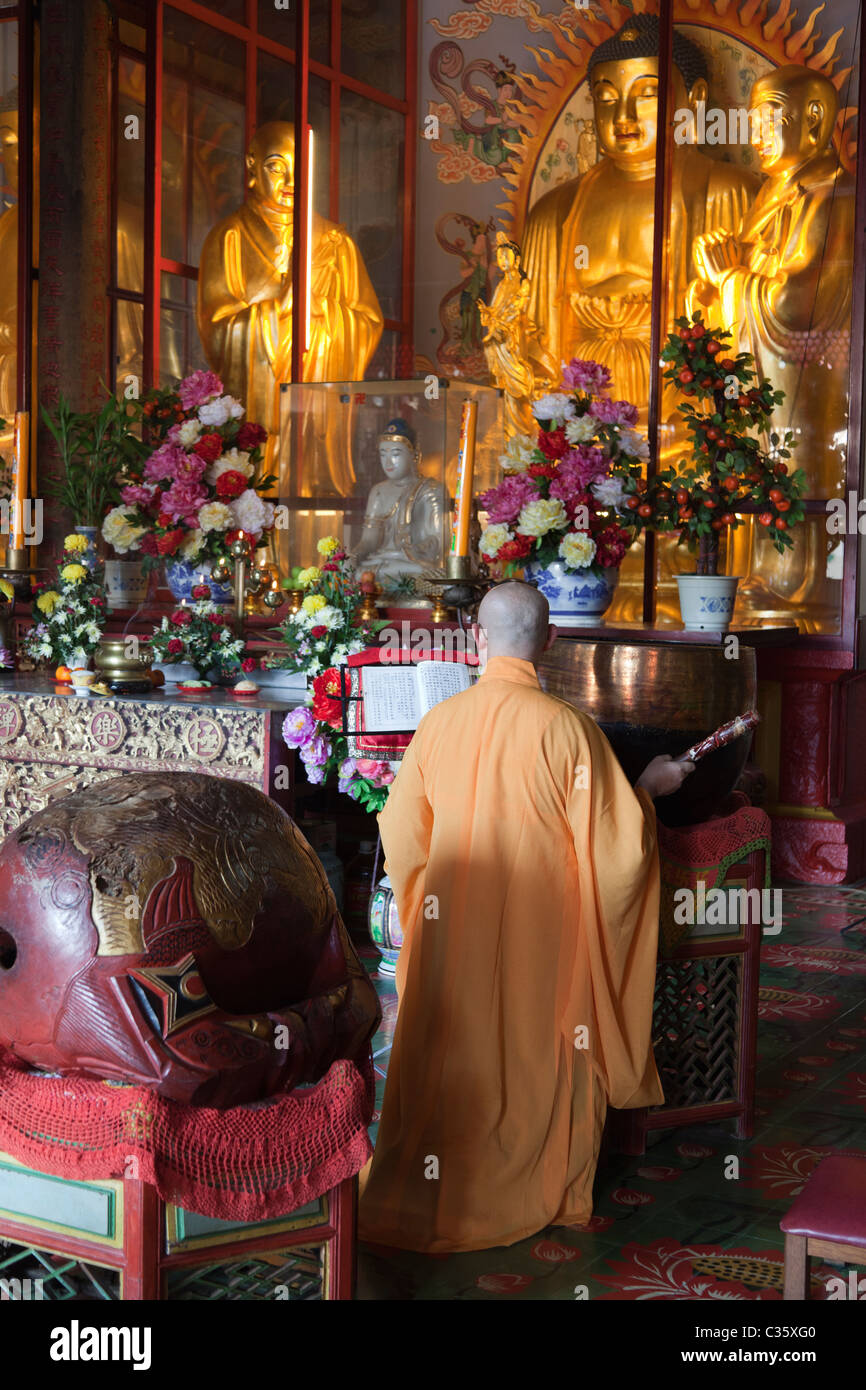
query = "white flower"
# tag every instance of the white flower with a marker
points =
(493, 538)
(232, 461)
(225, 635)
(610, 492)
(250, 513)
(189, 432)
(119, 532)
(214, 516)
(537, 518)
(329, 617)
(313, 666)
(219, 411)
(577, 549)
(581, 429)
(633, 444)
(557, 406)
(519, 454)
(191, 547)
(340, 655)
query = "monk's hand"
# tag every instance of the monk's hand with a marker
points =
(664, 775)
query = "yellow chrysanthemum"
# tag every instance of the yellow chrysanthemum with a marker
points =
(73, 574)
(47, 602)
(76, 544)
(327, 546)
(6, 590)
(313, 602)
(308, 577)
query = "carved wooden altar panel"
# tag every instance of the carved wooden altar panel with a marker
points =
(51, 745)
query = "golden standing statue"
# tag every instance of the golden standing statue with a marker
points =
(517, 362)
(588, 244)
(245, 296)
(782, 280)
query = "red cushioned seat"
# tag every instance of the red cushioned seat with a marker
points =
(832, 1205)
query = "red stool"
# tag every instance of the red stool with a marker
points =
(828, 1219)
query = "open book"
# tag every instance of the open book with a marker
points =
(396, 697)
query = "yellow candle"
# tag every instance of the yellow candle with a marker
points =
(22, 477)
(465, 472)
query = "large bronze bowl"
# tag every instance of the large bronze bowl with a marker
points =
(660, 699)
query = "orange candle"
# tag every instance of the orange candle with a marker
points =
(21, 487)
(465, 472)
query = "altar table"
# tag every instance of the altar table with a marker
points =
(53, 741)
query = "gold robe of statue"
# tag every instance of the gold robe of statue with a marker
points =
(245, 301)
(526, 878)
(782, 279)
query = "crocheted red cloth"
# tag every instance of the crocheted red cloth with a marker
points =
(250, 1163)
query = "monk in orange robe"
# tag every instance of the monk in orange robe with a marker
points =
(526, 877)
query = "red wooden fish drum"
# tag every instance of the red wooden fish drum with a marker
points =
(660, 698)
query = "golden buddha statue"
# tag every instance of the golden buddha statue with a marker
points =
(518, 364)
(407, 515)
(244, 307)
(588, 243)
(782, 281)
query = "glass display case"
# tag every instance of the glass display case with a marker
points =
(375, 463)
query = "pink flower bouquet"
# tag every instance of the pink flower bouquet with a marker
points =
(200, 487)
(565, 494)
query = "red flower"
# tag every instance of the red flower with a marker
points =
(232, 536)
(329, 565)
(201, 591)
(541, 470)
(251, 435)
(97, 601)
(325, 707)
(215, 618)
(517, 549)
(248, 664)
(148, 545)
(168, 544)
(230, 484)
(175, 646)
(181, 617)
(208, 446)
(553, 443)
(318, 631)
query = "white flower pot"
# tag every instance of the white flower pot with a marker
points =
(125, 583)
(176, 672)
(577, 598)
(707, 601)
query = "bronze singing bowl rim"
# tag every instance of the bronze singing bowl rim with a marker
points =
(674, 686)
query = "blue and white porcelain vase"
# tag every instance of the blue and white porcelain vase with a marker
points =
(90, 533)
(182, 577)
(577, 598)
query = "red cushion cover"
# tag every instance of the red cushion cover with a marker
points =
(832, 1205)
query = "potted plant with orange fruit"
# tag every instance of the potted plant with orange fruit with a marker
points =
(738, 466)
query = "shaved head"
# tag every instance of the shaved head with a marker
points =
(515, 618)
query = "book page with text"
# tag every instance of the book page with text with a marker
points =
(439, 680)
(390, 698)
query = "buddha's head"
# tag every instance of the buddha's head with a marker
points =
(623, 79)
(271, 166)
(398, 451)
(506, 253)
(793, 112)
(9, 150)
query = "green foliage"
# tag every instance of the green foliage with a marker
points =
(96, 448)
